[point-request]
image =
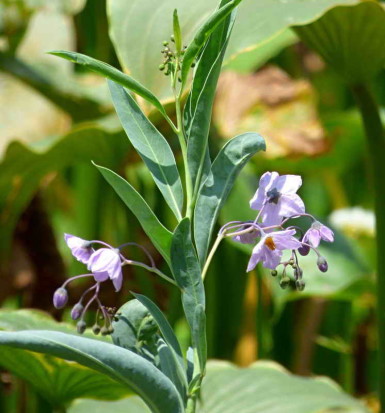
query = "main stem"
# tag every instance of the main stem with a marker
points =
(376, 146)
(183, 146)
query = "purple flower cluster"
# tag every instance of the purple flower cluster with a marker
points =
(277, 203)
(104, 264)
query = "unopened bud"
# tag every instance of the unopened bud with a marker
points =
(298, 273)
(300, 285)
(165, 43)
(110, 330)
(77, 311)
(60, 297)
(304, 250)
(105, 331)
(81, 327)
(322, 264)
(193, 64)
(161, 67)
(274, 273)
(172, 38)
(96, 329)
(285, 282)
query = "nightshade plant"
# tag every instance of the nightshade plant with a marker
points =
(146, 354)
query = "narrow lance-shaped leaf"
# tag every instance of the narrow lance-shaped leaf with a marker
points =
(198, 108)
(226, 167)
(122, 365)
(202, 35)
(177, 32)
(151, 146)
(186, 269)
(158, 234)
(112, 73)
(199, 336)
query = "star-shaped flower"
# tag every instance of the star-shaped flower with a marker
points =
(277, 198)
(269, 248)
(80, 248)
(316, 232)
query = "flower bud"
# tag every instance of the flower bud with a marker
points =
(300, 285)
(60, 297)
(77, 311)
(96, 329)
(105, 331)
(274, 273)
(298, 273)
(304, 250)
(322, 264)
(285, 282)
(81, 326)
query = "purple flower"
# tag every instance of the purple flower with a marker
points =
(80, 248)
(105, 263)
(316, 232)
(248, 237)
(269, 248)
(277, 198)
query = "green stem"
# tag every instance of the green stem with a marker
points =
(151, 269)
(211, 255)
(191, 404)
(376, 146)
(183, 146)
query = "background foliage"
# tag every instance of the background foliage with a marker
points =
(56, 119)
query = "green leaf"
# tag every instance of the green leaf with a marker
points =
(171, 368)
(132, 404)
(202, 35)
(186, 270)
(199, 336)
(135, 329)
(138, 38)
(174, 350)
(177, 32)
(112, 73)
(198, 108)
(226, 167)
(161, 320)
(122, 365)
(159, 235)
(265, 387)
(343, 37)
(57, 381)
(151, 146)
(24, 166)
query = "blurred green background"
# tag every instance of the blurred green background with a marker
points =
(56, 118)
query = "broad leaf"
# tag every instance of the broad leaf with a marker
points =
(159, 235)
(122, 365)
(202, 35)
(226, 167)
(138, 38)
(24, 166)
(186, 270)
(151, 146)
(265, 387)
(58, 381)
(198, 108)
(343, 37)
(112, 73)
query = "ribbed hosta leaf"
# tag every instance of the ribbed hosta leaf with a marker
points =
(118, 363)
(343, 37)
(265, 387)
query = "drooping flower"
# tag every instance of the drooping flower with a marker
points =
(248, 237)
(316, 232)
(269, 248)
(277, 197)
(106, 263)
(80, 248)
